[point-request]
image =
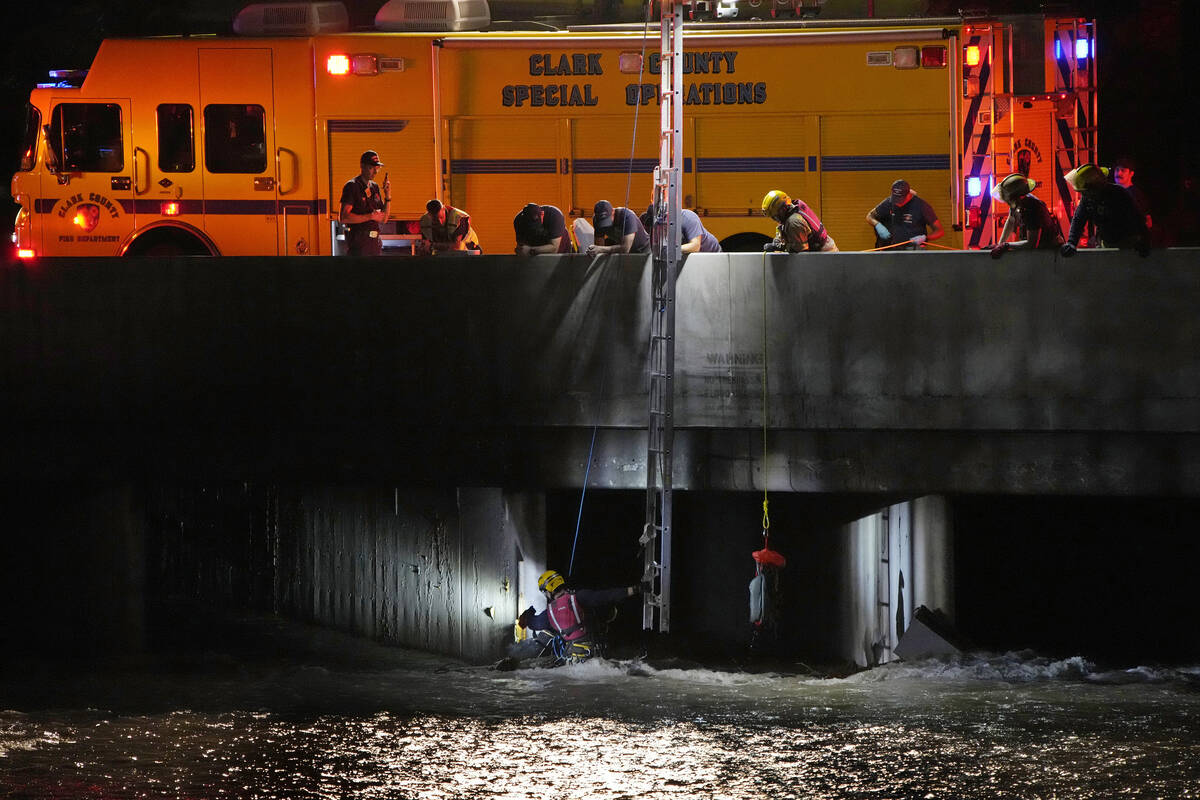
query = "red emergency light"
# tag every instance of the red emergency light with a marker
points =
(933, 57)
(26, 252)
(170, 208)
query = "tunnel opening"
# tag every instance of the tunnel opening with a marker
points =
(95, 569)
(1106, 578)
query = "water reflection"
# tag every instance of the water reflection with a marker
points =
(347, 719)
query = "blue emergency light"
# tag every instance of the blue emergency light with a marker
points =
(1084, 48)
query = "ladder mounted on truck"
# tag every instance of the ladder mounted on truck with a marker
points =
(656, 534)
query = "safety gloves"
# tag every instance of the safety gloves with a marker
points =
(526, 617)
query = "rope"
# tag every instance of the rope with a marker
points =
(907, 242)
(766, 515)
(637, 108)
(583, 492)
(628, 184)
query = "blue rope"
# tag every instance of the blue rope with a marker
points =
(628, 184)
(582, 494)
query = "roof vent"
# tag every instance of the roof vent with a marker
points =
(433, 15)
(291, 19)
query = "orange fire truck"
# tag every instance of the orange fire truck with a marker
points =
(240, 145)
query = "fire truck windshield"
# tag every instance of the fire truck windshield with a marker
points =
(29, 140)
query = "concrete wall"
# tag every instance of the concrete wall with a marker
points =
(907, 372)
(73, 569)
(432, 569)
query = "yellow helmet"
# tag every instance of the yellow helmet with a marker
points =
(1013, 187)
(1084, 175)
(774, 202)
(550, 581)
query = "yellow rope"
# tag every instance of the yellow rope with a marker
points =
(766, 516)
(907, 242)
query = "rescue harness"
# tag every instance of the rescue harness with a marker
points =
(817, 235)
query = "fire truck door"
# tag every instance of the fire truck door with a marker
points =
(88, 201)
(238, 151)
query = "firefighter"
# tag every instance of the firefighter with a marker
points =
(567, 613)
(904, 218)
(445, 228)
(541, 229)
(1122, 173)
(694, 237)
(1028, 217)
(1107, 206)
(365, 206)
(618, 230)
(798, 228)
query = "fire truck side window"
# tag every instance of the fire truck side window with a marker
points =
(234, 139)
(29, 141)
(86, 137)
(176, 147)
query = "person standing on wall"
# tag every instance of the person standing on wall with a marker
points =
(365, 207)
(904, 219)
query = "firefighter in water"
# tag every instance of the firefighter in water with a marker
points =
(798, 230)
(365, 206)
(445, 228)
(567, 614)
(1028, 218)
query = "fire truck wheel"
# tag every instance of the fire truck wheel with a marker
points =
(744, 243)
(167, 244)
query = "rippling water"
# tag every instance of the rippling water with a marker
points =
(327, 716)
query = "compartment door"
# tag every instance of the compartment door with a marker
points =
(518, 160)
(237, 149)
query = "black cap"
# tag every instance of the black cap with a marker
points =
(602, 215)
(370, 158)
(531, 212)
(899, 189)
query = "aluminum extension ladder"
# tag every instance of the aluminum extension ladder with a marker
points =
(656, 533)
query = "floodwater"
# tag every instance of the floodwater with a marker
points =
(309, 713)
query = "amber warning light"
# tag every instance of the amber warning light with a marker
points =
(338, 64)
(972, 56)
